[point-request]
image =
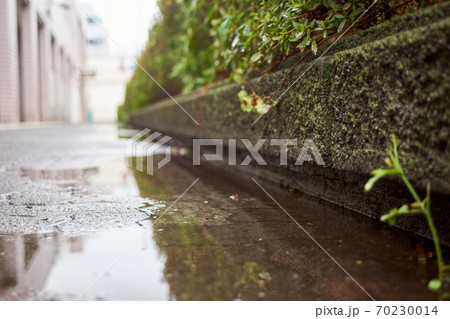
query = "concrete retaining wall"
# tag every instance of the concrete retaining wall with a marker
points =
(393, 78)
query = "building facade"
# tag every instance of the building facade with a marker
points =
(105, 90)
(42, 58)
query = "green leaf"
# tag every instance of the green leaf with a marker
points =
(297, 25)
(246, 104)
(370, 183)
(435, 285)
(305, 42)
(384, 172)
(332, 4)
(242, 94)
(390, 218)
(313, 6)
(341, 25)
(261, 107)
(347, 6)
(404, 209)
(265, 275)
(296, 36)
(235, 42)
(238, 78)
(314, 47)
(356, 12)
(256, 56)
(377, 174)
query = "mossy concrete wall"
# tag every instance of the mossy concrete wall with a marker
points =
(393, 78)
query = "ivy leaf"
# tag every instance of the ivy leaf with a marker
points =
(246, 104)
(242, 94)
(261, 107)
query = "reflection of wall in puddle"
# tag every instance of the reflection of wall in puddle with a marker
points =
(26, 261)
(112, 177)
(64, 174)
(115, 178)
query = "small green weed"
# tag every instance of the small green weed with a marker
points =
(419, 206)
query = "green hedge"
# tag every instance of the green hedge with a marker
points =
(196, 42)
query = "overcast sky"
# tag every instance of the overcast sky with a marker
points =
(127, 22)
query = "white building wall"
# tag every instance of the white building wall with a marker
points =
(29, 62)
(51, 81)
(106, 90)
(45, 71)
(9, 63)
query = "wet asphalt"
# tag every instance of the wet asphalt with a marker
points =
(77, 223)
(44, 180)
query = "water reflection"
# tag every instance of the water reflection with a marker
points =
(61, 266)
(218, 248)
(209, 246)
(198, 268)
(25, 263)
(64, 266)
(81, 175)
(111, 177)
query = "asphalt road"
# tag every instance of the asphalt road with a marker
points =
(68, 178)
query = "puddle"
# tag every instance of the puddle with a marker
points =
(223, 240)
(64, 266)
(111, 177)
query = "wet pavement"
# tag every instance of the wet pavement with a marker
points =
(76, 223)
